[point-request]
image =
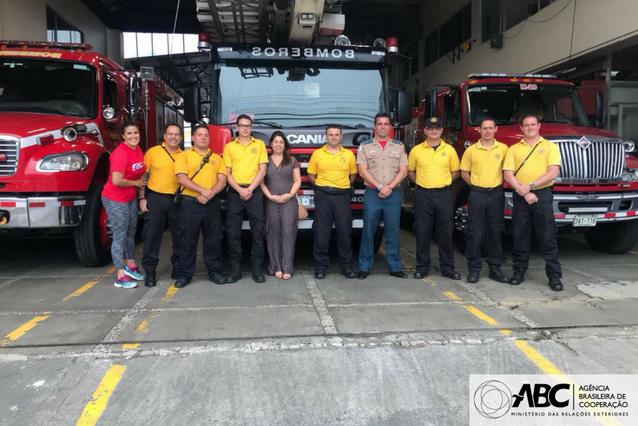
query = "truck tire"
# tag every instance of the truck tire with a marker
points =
(92, 239)
(613, 238)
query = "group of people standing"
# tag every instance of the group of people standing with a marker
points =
(183, 187)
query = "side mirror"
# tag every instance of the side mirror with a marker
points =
(400, 106)
(191, 104)
(404, 107)
(600, 110)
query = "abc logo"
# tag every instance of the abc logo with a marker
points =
(492, 399)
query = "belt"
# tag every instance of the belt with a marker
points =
(486, 190)
(171, 195)
(189, 198)
(445, 188)
(332, 191)
(547, 188)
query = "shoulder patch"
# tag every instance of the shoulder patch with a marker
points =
(367, 141)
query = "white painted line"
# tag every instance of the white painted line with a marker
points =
(327, 322)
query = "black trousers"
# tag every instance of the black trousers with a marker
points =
(161, 211)
(204, 218)
(434, 213)
(329, 209)
(254, 209)
(540, 217)
(485, 223)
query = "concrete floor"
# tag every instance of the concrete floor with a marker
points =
(302, 352)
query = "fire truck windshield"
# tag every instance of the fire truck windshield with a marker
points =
(293, 96)
(46, 86)
(506, 102)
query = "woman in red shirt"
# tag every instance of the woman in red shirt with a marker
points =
(120, 197)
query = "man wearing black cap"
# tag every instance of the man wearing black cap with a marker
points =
(433, 165)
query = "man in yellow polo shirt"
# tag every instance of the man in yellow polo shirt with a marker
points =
(332, 169)
(530, 168)
(202, 175)
(482, 170)
(157, 201)
(433, 165)
(246, 160)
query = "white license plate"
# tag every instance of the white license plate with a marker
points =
(307, 201)
(585, 221)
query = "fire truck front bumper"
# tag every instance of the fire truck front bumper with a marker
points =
(582, 210)
(41, 212)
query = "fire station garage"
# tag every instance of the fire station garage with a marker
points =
(533, 321)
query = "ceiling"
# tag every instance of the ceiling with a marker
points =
(365, 19)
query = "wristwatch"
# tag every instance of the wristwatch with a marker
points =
(379, 187)
(532, 186)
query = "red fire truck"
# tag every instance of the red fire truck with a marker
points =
(61, 107)
(597, 190)
(299, 90)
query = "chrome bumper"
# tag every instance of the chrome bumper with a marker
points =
(41, 212)
(605, 207)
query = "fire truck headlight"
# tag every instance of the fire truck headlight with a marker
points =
(629, 146)
(69, 162)
(630, 175)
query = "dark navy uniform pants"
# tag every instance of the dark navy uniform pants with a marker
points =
(254, 209)
(433, 214)
(540, 217)
(332, 208)
(485, 224)
(196, 218)
(161, 211)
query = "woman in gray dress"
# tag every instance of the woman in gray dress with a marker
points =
(280, 186)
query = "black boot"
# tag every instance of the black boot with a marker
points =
(235, 274)
(497, 275)
(517, 278)
(150, 280)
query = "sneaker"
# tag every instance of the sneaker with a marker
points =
(125, 282)
(134, 273)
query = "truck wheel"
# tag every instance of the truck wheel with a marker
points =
(92, 237)
(613, 238)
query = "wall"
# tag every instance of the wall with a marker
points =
(534, 46)
(27, 20)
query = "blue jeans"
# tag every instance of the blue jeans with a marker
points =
(123, 221)
(373, 207)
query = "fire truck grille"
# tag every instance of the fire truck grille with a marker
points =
(591, 159)
(8, 156)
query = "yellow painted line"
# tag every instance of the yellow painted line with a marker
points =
(90, 284)
(545, 365)
(23, 329)
(481, 315)
(129, 346)
(142, 326)
(541, 362)
(96, 406)
(472, 309)
(451, 295)
(170, 292)
(80, 291)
